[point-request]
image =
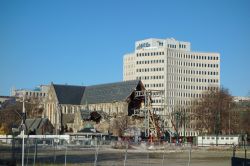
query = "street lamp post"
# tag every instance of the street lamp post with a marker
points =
(22, 133)
(229, 123)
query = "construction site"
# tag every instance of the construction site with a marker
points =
(155, 126)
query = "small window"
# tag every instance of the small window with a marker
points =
(231, 138)
(212, 137)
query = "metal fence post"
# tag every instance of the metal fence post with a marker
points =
(245, 162)
(54, 143)
(234, 149)
(126, 152)
(96, 154)
(66, 155)
(147, 157)
(163, 155)
(35, 153)
(27, 157)
(189, 156)
(13, 149)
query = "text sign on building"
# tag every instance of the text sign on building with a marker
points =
(142, 45)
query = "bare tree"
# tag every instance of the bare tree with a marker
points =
(34, 108)
(11, 115)
(243, 109)
(245, 122)
(213, 112)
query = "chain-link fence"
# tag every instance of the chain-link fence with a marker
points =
(104, 153)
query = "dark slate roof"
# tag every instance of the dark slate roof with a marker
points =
(69, 94)
(35, 123)
(107, 93)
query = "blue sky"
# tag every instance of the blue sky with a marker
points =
(83, 42)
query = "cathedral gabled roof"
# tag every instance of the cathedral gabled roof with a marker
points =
(102, 93)
(108, 93)
(69, 94)
(34, 124)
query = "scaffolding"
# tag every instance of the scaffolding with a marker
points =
(153, 123)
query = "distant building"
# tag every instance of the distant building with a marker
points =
(241, 99)
(220, 140)
(64, 102)
(170, 65)
(38, 93)
(38, 126)
(6, 100)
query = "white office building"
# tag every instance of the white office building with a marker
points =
(171, 66)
